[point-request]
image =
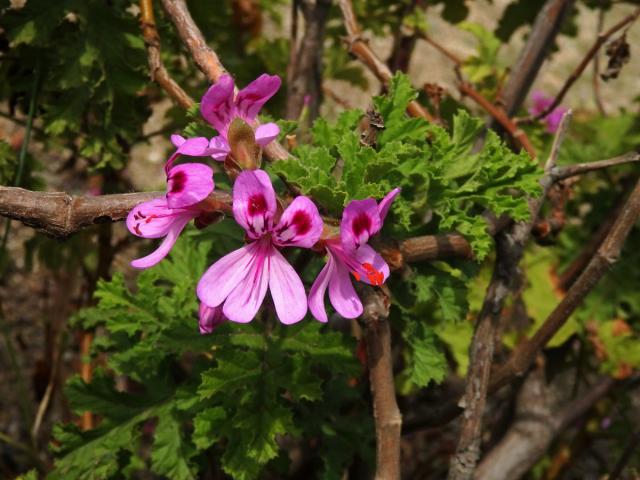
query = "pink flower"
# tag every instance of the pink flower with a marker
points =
(351, 254)
(219, 107)
(210, 318)
(239, 280)
(540, 103)
(187, 185)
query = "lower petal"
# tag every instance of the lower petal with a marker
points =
(209, 318)
(219, 148)
(266, 133)
(224, 275)
(342, 294)
(244, 301)
(375, 270)
(318, 289)
(287, 289)
(188, 184)
(164, 248)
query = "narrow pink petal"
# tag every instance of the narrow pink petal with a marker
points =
(188, 184)
(342, 294)
(252, 97)
(194, 147)
(164, 248)
(219, 148)
(375, 270)
(244, 301)
(177, 140)
(287, 289)
(152, 219)
(300, 224)
(209, 318)
(360, 220)
(225, 275)
(319, 288)
(267, 132)
(217, 105)
(385, 204)
(254, 202)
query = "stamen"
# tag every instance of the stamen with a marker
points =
(374, 276)
(356, 275)
(137, 229)
(149, 218)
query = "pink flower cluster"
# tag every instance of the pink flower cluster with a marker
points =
(234, 287)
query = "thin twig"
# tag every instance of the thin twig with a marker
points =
(510, 245)
(560, 173)
(500, 116)
(206, 59)
(386, 414)
(633, 444)
(157, 70)
(441, 48)
(361, 49)
(602, 38)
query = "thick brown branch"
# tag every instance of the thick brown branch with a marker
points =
(60, 215)
(386, 414)
(602, 38)
(157, 70)
(361, 49)
(500, 116)
(602, 261)
(510, 245)
(305, 75)
(524, 72)
(540, 417)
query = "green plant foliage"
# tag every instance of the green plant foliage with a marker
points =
(436, 169)
(244, 387)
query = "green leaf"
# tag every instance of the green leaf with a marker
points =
(171, 453)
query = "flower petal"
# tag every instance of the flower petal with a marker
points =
(209, 318)
(300, 224)
(254, 202)
(267, 132)
(252, 97)
(319, 288)
(287, 289)
(166, 245)
(360, 220)
(217, 105)
(223, 276)
(177, 140)
(219, 148)
(342, 294)
(188, 184)
(385, 204)
(152, 219)
(244, 301)
(375, 270)
(194, 147)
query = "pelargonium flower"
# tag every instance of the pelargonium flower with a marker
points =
(187, 185)
(350, 253)
(209, 318)
(220, 107)
(239, 280)
(540, 102)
